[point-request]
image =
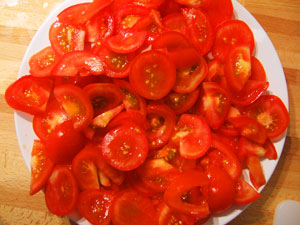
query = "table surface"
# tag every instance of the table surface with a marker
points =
(20, 19)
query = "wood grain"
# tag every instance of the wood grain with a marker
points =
(20, 19)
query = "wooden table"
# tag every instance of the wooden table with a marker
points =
(20, 19)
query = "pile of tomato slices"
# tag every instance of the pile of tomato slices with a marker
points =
(148, 111)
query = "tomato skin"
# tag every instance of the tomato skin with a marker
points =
(257, 70)
(126, 206)
(245, 193)
(41, 167)
(61, 192)
(29, 94)
(64, 143)
(90, 200)
(125, 147)
(42, 62)
(152, 74)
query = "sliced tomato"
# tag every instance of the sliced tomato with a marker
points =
(42, 62)
(126, 206)
(66, 38)
(79, 62)
(162, 121)
(230, 34)
(194, 4)
(184, 57)
(193, 135)
(125, 147)
(252, 91)
(200, 31)
(61, 192)
(94, 205)
(250, 128)
(157, 174)
(271, 112)
(256, 172)
(104, 118)
(103, 96)
(171, 40)
(215, 104)
(271, 152)
(149, 4)
(29, 94)
(219, 11)
(41, 167)
(45, 123)
(247, 147)
(189, 78)
(216, 72)
(152, 74)
(168, 7)
(76, 103)
(80, 81)
(181, 103)
(237, 67)
(100, 26)
(175, 22)
(220, 191)
(257, 70)
(245, 193)
(64, 143)
(126, 42)
(182, 184)
(127, 118)
(135, 182)
(86, 11)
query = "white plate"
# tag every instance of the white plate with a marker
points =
(264, 51)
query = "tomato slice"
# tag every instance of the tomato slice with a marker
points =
(126, 206)
(181, 103)
(79, 62)
(193, 135)
(85, 10)
(171, 40)
(162, 121)
(168, 7)
(245, 193)
(182, 184)
(175, 22)
(199, 29)
(125, 147)
(41, 167)
(42, 62)
(104, 118)
(127, 42)
(247, 147)
(61, 191)
(127, 118)
(188, 79)
(152, 74)
(76, 103)
(257, 70)
(271, 152)
(229, 35)
(215, 104)
(271, 112)
(184, 57)
(44, 124)
(220, 191)
(29, 94)
(149, 4)
(195, 4)
(237, 67)
(94, 205)
(256, 172)
(66, 38)
(64, 143)
(103, 96)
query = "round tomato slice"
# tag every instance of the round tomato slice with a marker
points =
(162, 121)
(171, 40)
(64, 143)
(76, 103)
(181, 103)
(271, 112)
(188, 79)
(29, 94)
(199, 29)
(175, 22)
(94, 205)
(215, 104)
(42, 62)
(41, 167)
(152, 74)
(130, 207)
(193, 135)
(66, 38)
(44, 124)
(245, 193)
(230, 34)
(78, 62)
(61, 192)
(126, 42)
(125, 147)
(104, 96)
